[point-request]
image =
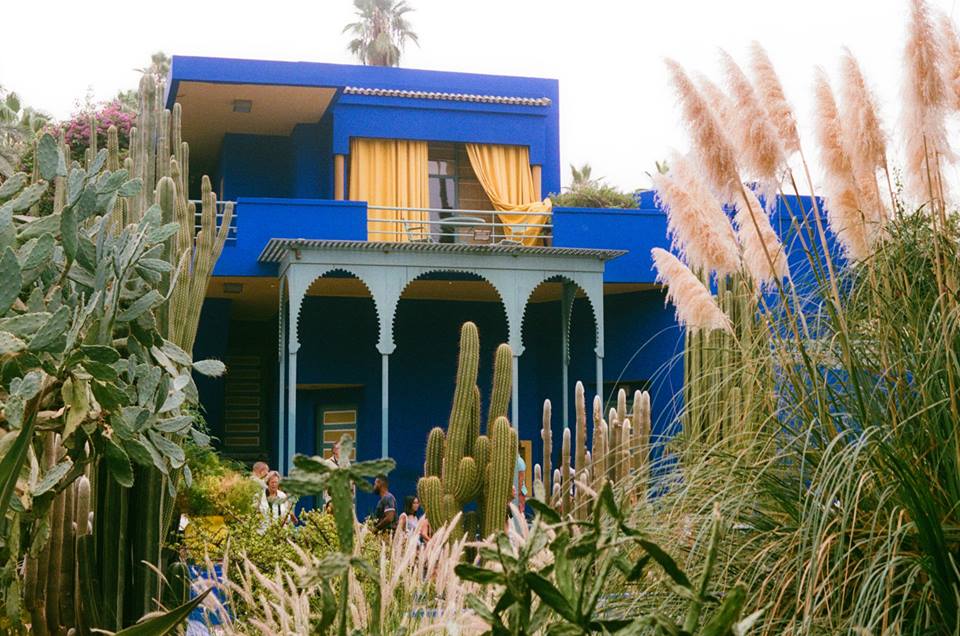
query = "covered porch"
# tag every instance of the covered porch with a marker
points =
(514, 273)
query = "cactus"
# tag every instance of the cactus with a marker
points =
(434, 460)
(430, 492)
(460, 463)
(565, 472)
(503, 458)
(502, 384)
(546, 435)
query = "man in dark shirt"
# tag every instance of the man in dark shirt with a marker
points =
(386, 512)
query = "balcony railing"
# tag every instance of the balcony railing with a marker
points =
(221, 206)
(475, 227)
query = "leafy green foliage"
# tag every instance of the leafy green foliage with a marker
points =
(81, 353)
(586, 191)
(563, 594)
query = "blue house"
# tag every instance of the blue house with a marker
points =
(377, 209)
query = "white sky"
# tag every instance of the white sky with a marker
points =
(616, 110)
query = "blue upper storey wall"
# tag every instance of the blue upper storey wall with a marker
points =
(309, 157)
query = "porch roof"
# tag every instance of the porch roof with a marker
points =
(276, 248)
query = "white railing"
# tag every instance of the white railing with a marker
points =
(221, 206)
(475, 227)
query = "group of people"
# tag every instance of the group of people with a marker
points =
(276, 506)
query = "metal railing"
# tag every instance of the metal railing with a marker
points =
(474, 227)
(221, 205)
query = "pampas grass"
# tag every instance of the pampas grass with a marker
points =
(760, 243)
(864, 138)
(951, 61)
(711, 145)
(841, 195)
(756, 137)
(925, 102)
(696, 221)
(696, 308)
(767, 85)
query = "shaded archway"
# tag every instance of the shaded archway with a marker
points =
(562, 294)
(329, 315)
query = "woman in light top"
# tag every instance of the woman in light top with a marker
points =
(412, 515)
(275, 504)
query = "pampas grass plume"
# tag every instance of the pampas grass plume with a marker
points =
(711, 145)
(694, 304)
(755, 135)
(924, 107)
(700, 229)
(951, 60)
(841, 197)
(767, 85)
(760, 243)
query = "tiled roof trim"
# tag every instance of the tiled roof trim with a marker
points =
(275, 248)
(454, 97)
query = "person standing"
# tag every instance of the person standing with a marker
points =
(520, 484)
(385, 514)
(276, 505)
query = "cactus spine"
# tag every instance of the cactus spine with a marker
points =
(461, 463)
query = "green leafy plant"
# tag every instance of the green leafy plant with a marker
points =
(562, 594)
(314, 476)
(587, 191)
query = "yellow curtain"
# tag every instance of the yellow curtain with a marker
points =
(392, 173)
(504, 172)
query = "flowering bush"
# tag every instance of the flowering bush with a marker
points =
(77, 129)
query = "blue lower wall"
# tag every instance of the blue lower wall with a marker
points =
(338, 337)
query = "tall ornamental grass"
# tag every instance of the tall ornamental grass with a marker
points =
(825, 423)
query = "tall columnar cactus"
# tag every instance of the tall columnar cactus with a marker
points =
(619, 452)
(434, 460)
(546, 436)
(461, 461)
(500, 470)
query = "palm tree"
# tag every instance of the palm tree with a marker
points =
(381, 31)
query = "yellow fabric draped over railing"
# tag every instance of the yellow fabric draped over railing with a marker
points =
(393, 173)
(504, 172)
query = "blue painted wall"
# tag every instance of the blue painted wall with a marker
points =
(400, 118)
(255, 165)
(213, 334)
(259, 220)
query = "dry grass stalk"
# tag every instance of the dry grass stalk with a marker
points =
(700, 230)
(695, 306)
(760, 243)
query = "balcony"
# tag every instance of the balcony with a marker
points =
(258, 220)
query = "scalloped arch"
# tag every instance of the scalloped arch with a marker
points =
(325, 272)
(553, 278)
(451, 270)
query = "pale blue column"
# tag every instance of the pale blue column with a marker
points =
(566, 305)
(603, 398)
(384, 405)
(515, 414)
(292, 406)
(282, 392)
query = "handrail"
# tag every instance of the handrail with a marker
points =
(221, 205)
